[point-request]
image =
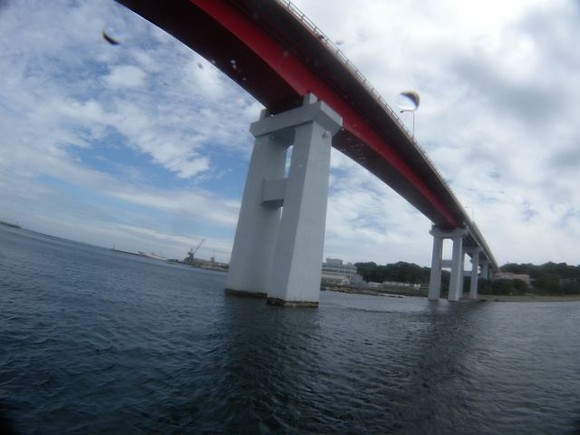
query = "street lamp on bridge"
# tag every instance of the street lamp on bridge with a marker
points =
(408, 101)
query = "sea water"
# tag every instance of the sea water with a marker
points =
(97, 341)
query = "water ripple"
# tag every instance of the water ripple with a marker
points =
(96, 342)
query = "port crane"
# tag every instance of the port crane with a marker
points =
(192, 251)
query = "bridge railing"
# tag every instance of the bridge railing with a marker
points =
(315, 30)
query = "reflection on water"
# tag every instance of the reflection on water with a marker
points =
(95, 341)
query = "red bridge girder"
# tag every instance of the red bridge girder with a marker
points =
(266, 50)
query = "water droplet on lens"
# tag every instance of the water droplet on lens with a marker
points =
(408, 101)
(110, 39)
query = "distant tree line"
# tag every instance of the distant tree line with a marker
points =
(547, 279)
(399, 272)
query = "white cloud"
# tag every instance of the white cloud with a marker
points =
(498, 82)
(197, 204)
(128, 76)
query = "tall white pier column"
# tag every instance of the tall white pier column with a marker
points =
(279, 254)
(259, 220)
(456, 282)
(296, 268)
(437, 263)
(474, 273)
(485, 269)
(463, 273)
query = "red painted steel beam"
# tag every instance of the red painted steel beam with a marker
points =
(303, 80)
(269, 53)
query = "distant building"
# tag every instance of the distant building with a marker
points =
(336, 266)
(334, 280)
(569, 281)
(375, 285)
(397, 284)
(336, 272)
(511, 276)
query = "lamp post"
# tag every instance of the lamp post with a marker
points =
(412, 112)
(409, 102)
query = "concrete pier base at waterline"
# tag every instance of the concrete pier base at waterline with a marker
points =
(278, 246)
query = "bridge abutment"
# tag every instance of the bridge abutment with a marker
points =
(279, 240)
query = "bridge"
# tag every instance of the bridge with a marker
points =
(314, 99)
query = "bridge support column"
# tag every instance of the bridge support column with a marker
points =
(293, 239)
(436, 266)
(474, 253)
(456, 281)
(463, 273)
(485, 269)
(258, 221)
(437, 263)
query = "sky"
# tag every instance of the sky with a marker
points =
(144, 146)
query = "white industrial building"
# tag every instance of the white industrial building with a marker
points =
(336, 272)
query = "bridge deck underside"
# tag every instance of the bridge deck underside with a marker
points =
(292, 63)
(267, 51)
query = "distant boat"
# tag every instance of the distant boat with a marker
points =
(123, 252)
(152, 255)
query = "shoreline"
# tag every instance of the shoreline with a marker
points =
(482, 297)
(529, 298)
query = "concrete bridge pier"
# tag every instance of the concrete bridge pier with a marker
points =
(456, 263)
(259, 219)
(456, 281)
(485, 269)
(462, 266)
(279, 239)
(474, 253)
(436, 265)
